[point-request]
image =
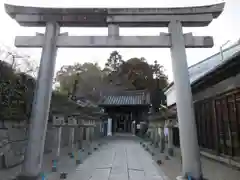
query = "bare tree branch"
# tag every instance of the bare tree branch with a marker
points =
(18, 61)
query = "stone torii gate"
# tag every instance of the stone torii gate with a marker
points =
(114, 18)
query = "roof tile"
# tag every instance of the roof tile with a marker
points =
(127, 98)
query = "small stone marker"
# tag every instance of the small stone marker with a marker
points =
(167, 158)
(78, 161)
(43, 176)
(159, 162)
(71, 155)
(54, 166)
(78, 158)
(63, 175)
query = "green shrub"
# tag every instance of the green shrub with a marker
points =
(16, 95)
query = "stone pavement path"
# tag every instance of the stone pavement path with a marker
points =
(121, 159)
(211, 169)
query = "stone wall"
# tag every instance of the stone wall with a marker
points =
(13, 143)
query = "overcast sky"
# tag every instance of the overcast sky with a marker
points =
(226, 27)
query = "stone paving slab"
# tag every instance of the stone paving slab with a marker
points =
(120, 159)
(212, 170)
(68, 165)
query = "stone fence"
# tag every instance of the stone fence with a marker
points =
(13, 143)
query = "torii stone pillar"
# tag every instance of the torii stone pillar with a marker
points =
(188, 132)
(40, 110)
(113, 18)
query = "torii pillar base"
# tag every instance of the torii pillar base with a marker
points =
(185, 178)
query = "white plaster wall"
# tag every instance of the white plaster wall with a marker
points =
(171, 96)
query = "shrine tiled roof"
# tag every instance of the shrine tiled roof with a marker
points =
(126, 98)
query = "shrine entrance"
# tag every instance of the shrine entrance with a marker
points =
(121, 124)
(114, 18)
(127, 110)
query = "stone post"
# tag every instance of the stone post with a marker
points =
(100, 129)
(87, 135)
(109, 132)
(91, 136)
(170, 141)
(151, 134)
(154, 134)
(88, 138)
(93, 133)
(71, 141)
(133, 128)
(59, 137)
(162, 139)
(96, 131)
(80, 142)
(169, 126)
(156, 137)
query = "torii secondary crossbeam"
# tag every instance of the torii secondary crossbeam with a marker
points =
(162, 41)
(114, 18)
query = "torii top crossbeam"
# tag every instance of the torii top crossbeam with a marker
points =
(124, 17)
